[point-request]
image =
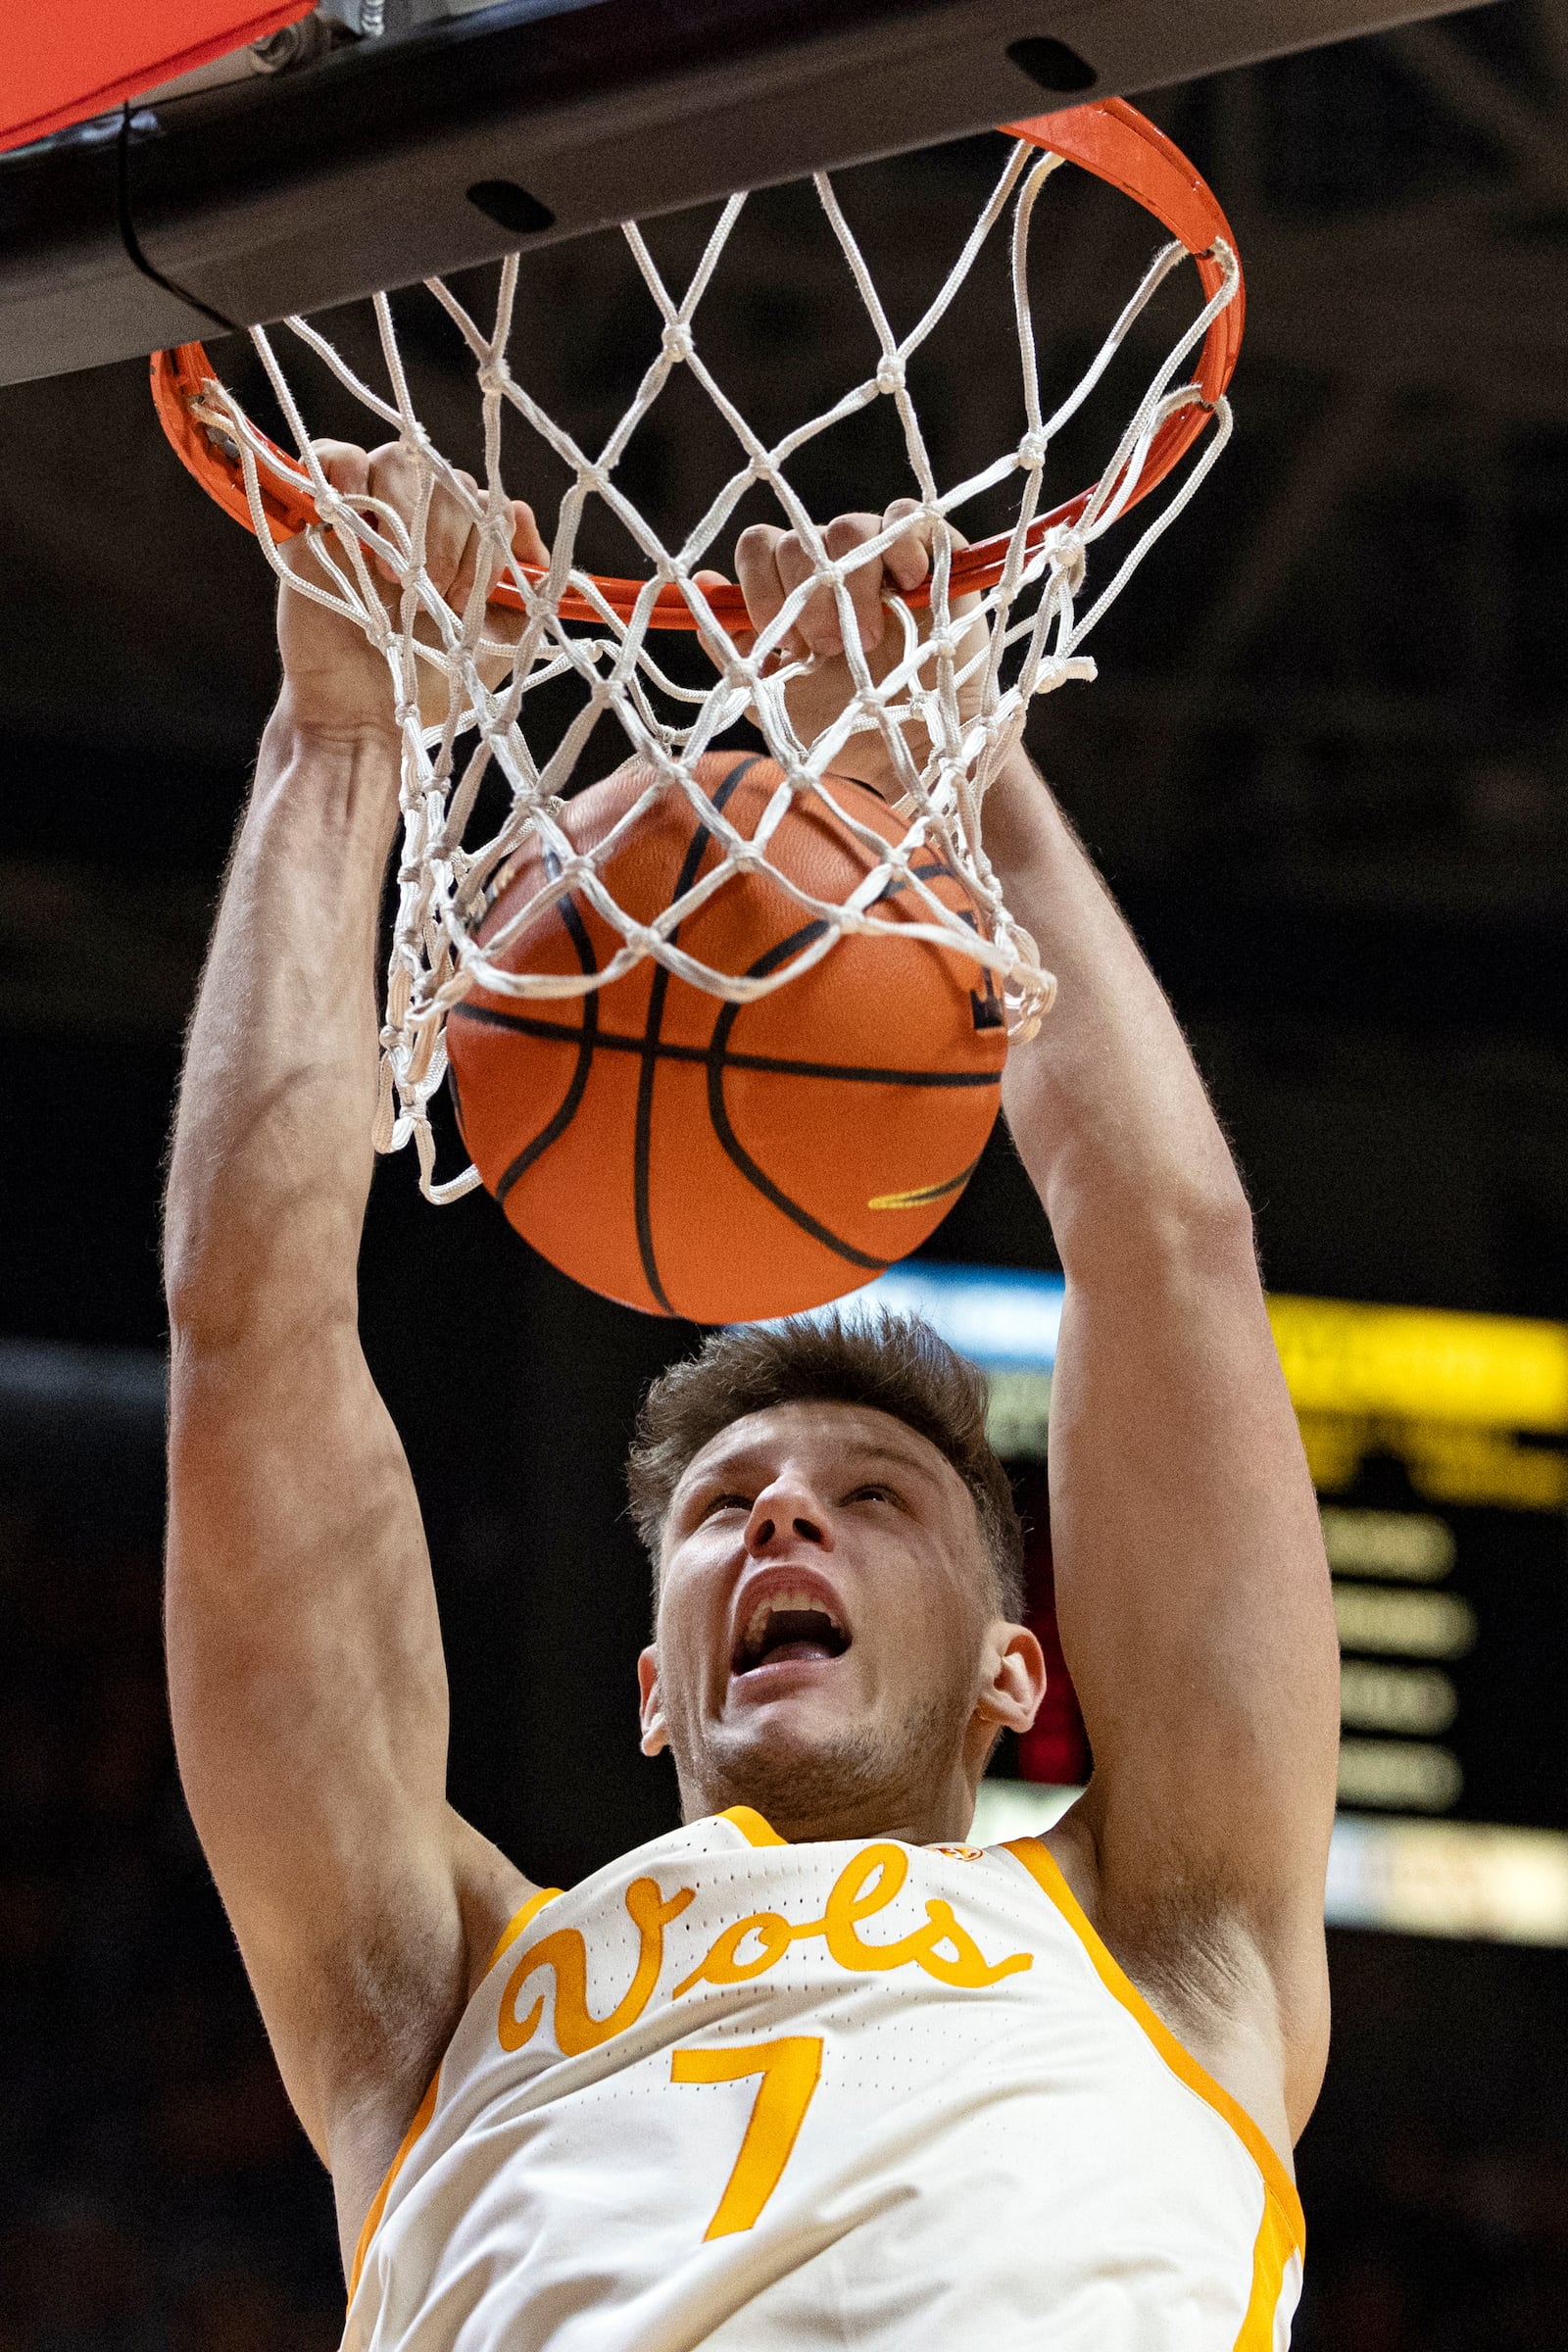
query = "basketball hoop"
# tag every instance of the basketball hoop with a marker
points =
(960, 687)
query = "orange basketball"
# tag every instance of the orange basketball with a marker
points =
(724, 1161)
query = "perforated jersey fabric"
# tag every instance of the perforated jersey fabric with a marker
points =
(739, 2093)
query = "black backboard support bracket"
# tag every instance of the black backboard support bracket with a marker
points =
(533, 119)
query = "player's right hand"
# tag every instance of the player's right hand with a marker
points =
(335, 679)
(771, 563)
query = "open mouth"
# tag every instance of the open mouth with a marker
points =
(786, 1629)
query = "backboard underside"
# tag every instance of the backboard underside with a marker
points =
(389, 161)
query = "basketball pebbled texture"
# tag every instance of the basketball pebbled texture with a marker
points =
(725, 1162)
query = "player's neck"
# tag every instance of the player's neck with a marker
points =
(805, 1814)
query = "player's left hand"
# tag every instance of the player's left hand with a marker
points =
(770, 563)
(335, 676)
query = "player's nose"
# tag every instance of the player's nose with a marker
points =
(787, 1511)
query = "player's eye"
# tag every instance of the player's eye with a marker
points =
(726, 1502)
(871, 1493)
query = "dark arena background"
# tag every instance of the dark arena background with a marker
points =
(1325, 768)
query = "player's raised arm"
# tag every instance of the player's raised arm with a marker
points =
(307, 1686)
(1190, 1578)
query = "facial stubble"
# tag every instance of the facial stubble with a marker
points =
(854, 1781)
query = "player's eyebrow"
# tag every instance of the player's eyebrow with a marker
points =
(875, 1450)
(729, 1462)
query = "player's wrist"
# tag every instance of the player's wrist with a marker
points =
(306, 714)
(338, 769)
(334, 682)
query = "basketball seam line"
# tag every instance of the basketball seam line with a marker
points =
(718, 1112)
(615, 1041)
(642, 1144)
(587, 1031)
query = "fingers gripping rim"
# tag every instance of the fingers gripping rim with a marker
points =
(1109, 138)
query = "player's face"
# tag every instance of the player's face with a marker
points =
(827, 1650)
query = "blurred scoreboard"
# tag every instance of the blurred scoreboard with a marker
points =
(1439, 1446)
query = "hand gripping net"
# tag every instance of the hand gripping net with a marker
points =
(997, 623)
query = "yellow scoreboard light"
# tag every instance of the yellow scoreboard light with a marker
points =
(1469, 1403)
(1417, 1362)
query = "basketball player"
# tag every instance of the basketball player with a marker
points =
(809, 2071)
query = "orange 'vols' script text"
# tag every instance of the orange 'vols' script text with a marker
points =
(866, 1885)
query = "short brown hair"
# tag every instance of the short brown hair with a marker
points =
(895, 1365)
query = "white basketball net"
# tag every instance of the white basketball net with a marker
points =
(948, 710)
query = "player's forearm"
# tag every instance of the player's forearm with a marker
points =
(1106, 1105)
(271, 1161)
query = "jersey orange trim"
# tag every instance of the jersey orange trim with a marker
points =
(1271, 2255)
(423, 2115)
(1043, 1867)
(752, 1827)
(520, 1919)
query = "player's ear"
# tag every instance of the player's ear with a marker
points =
(1014, 1677)
(655, 1736)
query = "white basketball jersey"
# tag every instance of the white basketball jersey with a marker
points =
(739, 2093)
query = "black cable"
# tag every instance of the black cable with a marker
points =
(133, 243)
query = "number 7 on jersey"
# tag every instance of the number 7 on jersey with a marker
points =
(790, 2072)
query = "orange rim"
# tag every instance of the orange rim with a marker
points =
(1108, 138)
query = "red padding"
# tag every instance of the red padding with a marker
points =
(66, 60)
